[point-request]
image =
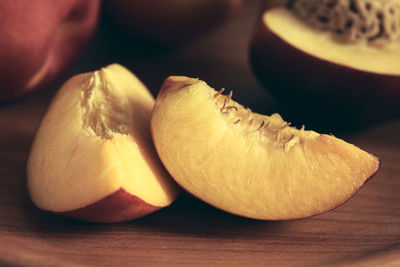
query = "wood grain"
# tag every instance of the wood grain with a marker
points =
(365, 231)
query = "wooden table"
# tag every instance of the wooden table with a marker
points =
(364, 231)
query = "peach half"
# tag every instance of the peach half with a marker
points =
(320, 73)
(93, 157)
(250, 164)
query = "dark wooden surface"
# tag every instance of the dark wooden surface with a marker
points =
(365, 231)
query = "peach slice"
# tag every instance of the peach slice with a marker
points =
(349, 82)
(250, 164)
(93, 157)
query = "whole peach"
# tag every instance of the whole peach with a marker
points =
(39, 41)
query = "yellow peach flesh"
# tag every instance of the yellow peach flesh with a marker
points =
(74, 164)
(250, 164)
(382, 59)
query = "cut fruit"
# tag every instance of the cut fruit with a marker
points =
(349, 83)
(250, 164)
(352, 20)
(93, 157)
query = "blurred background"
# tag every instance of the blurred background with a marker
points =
(219, 54)
(204, 39)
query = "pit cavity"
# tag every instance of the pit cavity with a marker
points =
(373, 21)
(106, 111)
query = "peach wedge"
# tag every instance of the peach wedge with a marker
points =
(250, 164)
(93, 157)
